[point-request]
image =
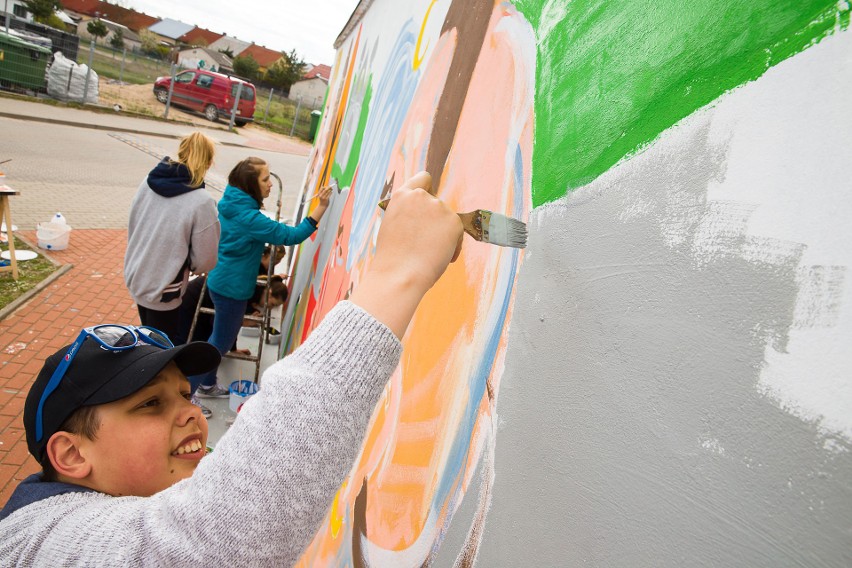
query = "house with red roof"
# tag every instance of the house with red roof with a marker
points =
(265, 57)
(310, 91)
(323, 71)
(88, 9)
(199, 37)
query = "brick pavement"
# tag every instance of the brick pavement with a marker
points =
(91, 292)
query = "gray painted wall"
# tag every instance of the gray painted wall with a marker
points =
(634, 426)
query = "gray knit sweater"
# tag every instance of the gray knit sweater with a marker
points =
(258, 499)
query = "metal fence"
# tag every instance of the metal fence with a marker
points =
(34, 69)
(23, 67)
(277, 112)
(64, 42)
(125, 65)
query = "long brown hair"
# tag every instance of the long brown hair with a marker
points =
(245, 176)
(196, 152)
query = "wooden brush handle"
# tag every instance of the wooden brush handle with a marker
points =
(472, 223)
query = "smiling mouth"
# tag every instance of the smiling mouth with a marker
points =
(190, 448)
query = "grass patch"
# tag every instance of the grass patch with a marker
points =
(282, 112)
(138, 69)
(30, 273)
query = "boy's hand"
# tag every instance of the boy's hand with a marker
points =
(418, 239)
(419, 233)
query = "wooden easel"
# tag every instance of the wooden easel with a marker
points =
(6, 215)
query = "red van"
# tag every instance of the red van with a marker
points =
(210, 93)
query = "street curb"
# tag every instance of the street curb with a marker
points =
(13, 306)
(110, 128)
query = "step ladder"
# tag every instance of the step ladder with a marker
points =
(262, 320)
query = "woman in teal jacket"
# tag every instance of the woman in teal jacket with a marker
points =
(244, 233)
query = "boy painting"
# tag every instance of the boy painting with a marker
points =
(126, 481)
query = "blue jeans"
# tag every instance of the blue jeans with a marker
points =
(226, 327)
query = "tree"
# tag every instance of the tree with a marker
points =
(97, 29)
(285, 71)
(227, 51)
(246, 67)
(41, 10)
(150, 43)
(117, 39)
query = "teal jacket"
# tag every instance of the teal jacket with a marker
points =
(244, 233)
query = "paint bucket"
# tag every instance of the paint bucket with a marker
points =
(240, 392)
(273, 336)
(53, 235)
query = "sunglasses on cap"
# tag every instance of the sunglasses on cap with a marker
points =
(112, 337)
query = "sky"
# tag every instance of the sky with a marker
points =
(310, 27)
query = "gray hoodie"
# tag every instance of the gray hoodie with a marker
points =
(173, 229)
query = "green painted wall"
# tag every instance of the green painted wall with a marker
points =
(611, 76)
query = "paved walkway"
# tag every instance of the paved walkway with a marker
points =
(93, 291)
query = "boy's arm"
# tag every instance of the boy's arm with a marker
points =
(278, 468)
(259, 498)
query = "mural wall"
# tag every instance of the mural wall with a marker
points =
(664, 376)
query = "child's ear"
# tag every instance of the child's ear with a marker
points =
(63, 451)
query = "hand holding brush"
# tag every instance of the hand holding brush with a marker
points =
(332, 185)
(489, 227)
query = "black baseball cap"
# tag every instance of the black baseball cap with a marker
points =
(97, 376)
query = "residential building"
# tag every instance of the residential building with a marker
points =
(199, 37)
(320, 70)
(131, 40)
(265, 57)
(17, 9)
(205, 58)
(87, 9)
(170, 30)
(226, 42)
(311, 91)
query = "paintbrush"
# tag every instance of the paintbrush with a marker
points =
(332, 185)
(489, 227)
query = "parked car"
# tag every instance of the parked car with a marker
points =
(210, 93)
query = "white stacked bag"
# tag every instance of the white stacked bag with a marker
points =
(66, 81)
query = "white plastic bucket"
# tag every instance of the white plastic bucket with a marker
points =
(240, 392)
(53, 236)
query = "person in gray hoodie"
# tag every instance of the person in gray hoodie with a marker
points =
(173, 230)
(127, 481)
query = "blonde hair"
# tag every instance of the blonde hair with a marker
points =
(196, 153)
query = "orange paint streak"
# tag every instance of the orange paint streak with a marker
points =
(325, 177)
(443, 339)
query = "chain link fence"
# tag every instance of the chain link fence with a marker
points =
(37, 69)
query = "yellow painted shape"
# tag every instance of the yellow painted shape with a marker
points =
(418, 57)
(335, 521)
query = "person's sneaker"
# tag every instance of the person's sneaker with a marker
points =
(204, 410)
(212, 392)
